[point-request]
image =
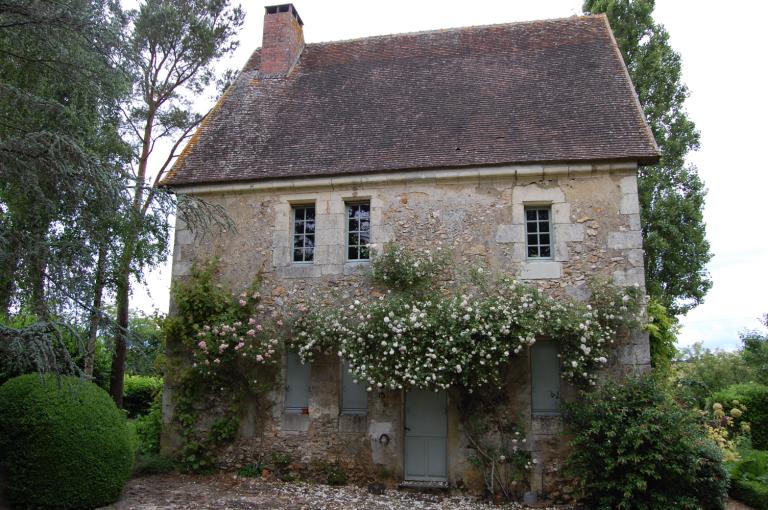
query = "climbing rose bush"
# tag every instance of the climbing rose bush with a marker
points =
(400, 342)
(240, 345)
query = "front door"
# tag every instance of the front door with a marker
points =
(426, 436)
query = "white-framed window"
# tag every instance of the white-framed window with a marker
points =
(296, 384)
(303, 233)
(538, 232)
(354, 396)
(358, 230)
(545, 378)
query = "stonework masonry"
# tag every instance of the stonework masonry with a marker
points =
(480, 219)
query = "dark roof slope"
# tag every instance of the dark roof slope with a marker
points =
(543, 91)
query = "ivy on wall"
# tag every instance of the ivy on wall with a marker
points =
(224, 355)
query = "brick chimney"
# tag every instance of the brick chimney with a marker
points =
(283, 40)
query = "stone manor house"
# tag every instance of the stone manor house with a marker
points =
(515, 145)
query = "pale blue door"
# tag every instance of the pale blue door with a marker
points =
(426, 436)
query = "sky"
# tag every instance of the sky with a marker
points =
(721, 49)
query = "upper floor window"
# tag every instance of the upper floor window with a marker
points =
(538, 232)
(303, 227)
(358, 230)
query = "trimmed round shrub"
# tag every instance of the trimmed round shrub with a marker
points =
(634, 447)
(755, 397)
(63, 443)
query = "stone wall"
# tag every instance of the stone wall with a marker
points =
(480, 219)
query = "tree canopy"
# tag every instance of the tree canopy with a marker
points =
(671, 192)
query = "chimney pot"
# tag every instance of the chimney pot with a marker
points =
(283, 40)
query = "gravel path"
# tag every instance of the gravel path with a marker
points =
(227, 492)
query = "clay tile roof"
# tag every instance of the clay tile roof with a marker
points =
(533, 92)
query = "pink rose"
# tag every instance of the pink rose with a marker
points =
(202, 345)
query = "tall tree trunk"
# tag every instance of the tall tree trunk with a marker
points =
(124, 269)
(9, 265)
(95, 318)
(37, 267)
(121, 332)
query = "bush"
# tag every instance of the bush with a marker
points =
(153, 464)
(335, 474)
(149, 427)
(63, 443)
(752, 493)
(139, 392)
(702, 372)
(755, 397)
(635, 448)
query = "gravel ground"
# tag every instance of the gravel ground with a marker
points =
(227, 492)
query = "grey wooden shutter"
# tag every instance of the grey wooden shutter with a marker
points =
(354, 397)
(296, 384)
(545, 378)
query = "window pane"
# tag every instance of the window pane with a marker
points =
(353, 239)
(309, 227)
(530, 214)
(298, 255)
(309, 254)
(364, 253)
(543, 214)
(309, 213)
(544, 239)
(365, 225)
(532, 239)
(532, 251)
(544, 227)
(364, 238)
(298, 227)
(351, 210)
(545, 251)
(352, 253)
(354, 225)
(533, 227)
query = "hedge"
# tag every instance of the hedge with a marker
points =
(138, 393)
(752, 493)
(63, 443)
(755, 397)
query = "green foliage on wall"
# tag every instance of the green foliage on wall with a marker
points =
(662, 335)
(224, 355)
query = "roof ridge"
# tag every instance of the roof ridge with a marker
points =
(454, 29)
